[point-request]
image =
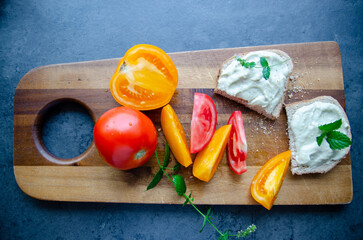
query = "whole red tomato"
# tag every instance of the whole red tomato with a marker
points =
(125, 138)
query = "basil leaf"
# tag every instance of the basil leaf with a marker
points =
(179, 184)
(338, 140)
(331, 126)
(321, 138)
(155, 180)
(266, 72)
(176, 167)
(166, 155)
(263, 62)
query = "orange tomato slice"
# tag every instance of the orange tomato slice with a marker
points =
(145, 78)
(207, 160)
(267, 182)
(175, 136)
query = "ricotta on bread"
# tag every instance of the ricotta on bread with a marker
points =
(304, 119)
(248, 85)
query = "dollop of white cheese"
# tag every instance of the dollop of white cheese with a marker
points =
(249, 83)
(305, 126)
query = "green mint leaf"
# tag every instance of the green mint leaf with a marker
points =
(241, 61)
(246, 64)
(179, 185)
(158, 176)
(155, 180)
(331, 126)
(263, 62)
(249, 64)
(176, 167)
(166, 155)
(321, 138)
(266, 72)
(338, 140)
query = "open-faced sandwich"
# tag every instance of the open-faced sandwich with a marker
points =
(319, 134)
(256, 79)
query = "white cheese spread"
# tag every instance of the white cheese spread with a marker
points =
(249, 83)
(305, 126)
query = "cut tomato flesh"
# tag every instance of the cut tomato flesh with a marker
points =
(237, 144)
(206, 162)
(145, 79)
(175, 136)
(204, 122)
(267, 182)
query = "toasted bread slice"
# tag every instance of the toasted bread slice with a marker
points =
(324, 158)
(272, 96)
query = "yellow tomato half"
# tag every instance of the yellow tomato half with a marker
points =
(145, 78)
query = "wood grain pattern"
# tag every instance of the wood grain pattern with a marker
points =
(317, 71)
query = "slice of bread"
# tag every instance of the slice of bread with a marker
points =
(273, 113)
(300, 168)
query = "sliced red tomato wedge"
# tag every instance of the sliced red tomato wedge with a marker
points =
(204, 122)
(237, 144)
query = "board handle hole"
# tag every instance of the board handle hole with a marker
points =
(63, 131)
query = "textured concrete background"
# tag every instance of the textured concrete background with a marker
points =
(36, 33)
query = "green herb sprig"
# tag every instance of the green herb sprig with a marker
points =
(337, 140)
(180, 187)
(266, 69)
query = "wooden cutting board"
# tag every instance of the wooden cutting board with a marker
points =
(317, 71)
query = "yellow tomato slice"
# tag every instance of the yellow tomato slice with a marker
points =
(175, 136)
(207, 160)
(267, 182)
(145, 78)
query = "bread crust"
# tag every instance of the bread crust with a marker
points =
(290, 111)
(276, 112)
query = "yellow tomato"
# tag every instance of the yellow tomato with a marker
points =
(207, 160)
(145, 78)
(268, 180)
(175, 136)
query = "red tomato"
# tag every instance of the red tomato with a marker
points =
(125, 138)
(204, 122)
(237, 144)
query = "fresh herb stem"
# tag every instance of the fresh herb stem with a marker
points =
(180, 188)
(162, 168)
(186, 197)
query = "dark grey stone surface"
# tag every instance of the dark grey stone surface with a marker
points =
(36, 33)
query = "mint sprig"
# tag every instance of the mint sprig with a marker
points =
(246, 64)
(180, 188)
(159, 175)
(266, 69)
(336, 140)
